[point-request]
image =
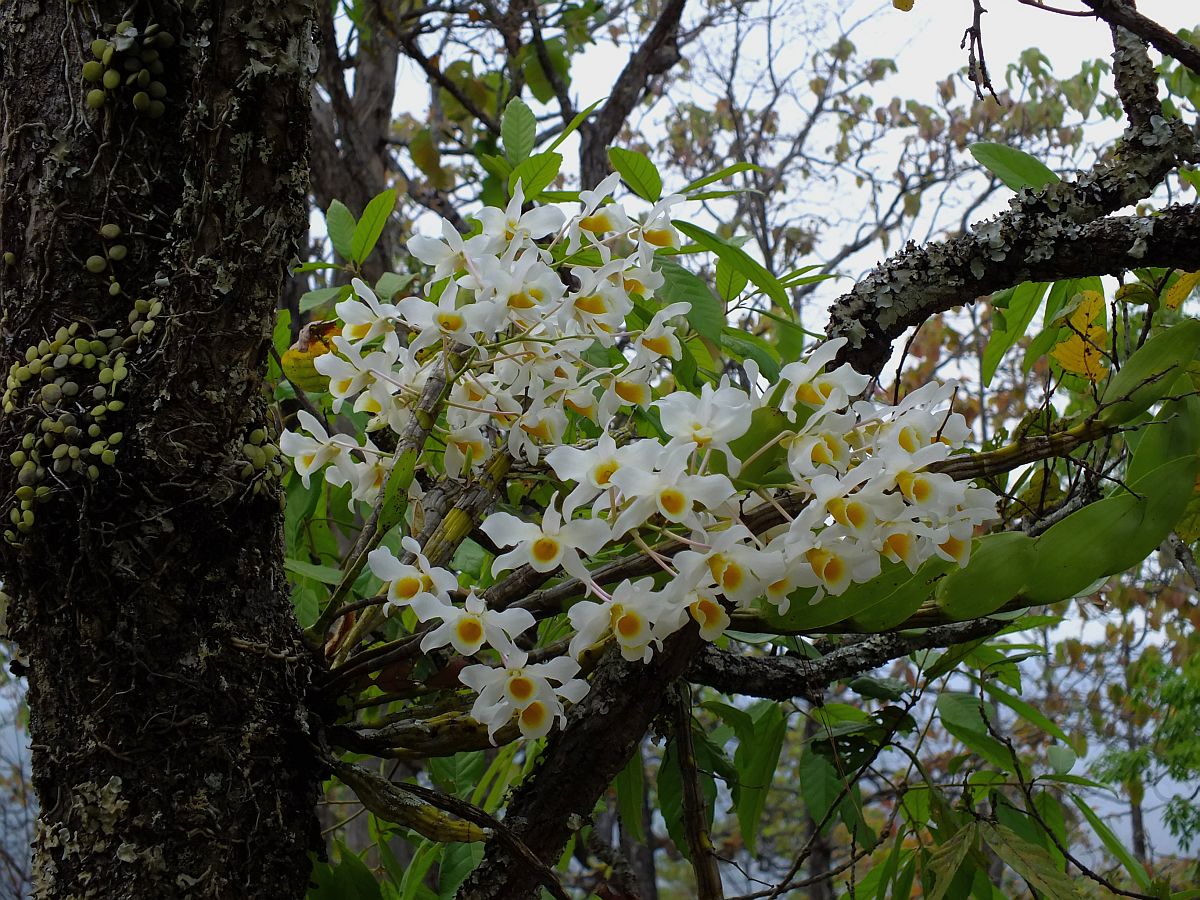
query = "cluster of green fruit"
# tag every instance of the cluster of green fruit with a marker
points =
(67, 387)
(262, 466)
(129, 59)
(113, 251)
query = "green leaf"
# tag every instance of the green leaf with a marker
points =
(1028, 712)
(1146, 375)
(638, 172)
(720, 176)
(536, 173)
(1029, 861)
(340, 224)
(1062, 758)
(707, 316)
(730, 282)
(1022, 304)
(370, 226)
(518, 130)
(323, 574)
(306, 605)
(820, 785)
(902, 602)
(412, 884)
(995, 574)
(1113, 844)
(947, 859)
(745, 345)
(878, 688)
(314, 267)
(1016, 168)
(756, 759)
(740, 260)
(574, 124)
(458, 861)
(962, 716)
(630, 785)
(535, 76)
(1110, 536)
(321, 296)
(458, 774)
(354, 874)
(390, 284)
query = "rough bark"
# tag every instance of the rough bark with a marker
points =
(171, 747)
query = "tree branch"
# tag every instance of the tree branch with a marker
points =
(1044, 236)
(785, 677)
(1160, 38)
(602, 734)
(656, 54)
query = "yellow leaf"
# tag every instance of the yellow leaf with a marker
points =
(1179, 291)
(316, 339)
(1082, 355)
(903, 5)
(1091, 304)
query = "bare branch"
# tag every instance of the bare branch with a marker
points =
(656, 54)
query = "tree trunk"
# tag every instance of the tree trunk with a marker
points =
(172, 753)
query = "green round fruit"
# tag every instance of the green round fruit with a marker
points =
(110, 231)
(96, 264)
(117, 252)
(112, 79)
(95, 98)
(141, 101)
(157, 108)
(99, 46)
(93, 70)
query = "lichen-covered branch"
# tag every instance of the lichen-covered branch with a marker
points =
(785, 677)
(1162, 39)
(1044, 236)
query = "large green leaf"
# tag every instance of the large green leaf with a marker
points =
(1023, 303)
(730, 281)
(994, 575)
(901, 603)
(637, 171)
(518, 130)
(1113, 844)
(630, 785)
(371, 225)
(1016, 168)
(1147, 374)
(741, 261)
(707, 315)
(756, 759)
(963, 716)
(1029, 861)
(1111, 535)
(536, 173)
(720, 176)
(948, 858)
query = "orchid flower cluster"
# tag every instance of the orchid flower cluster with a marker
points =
(560, 320)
